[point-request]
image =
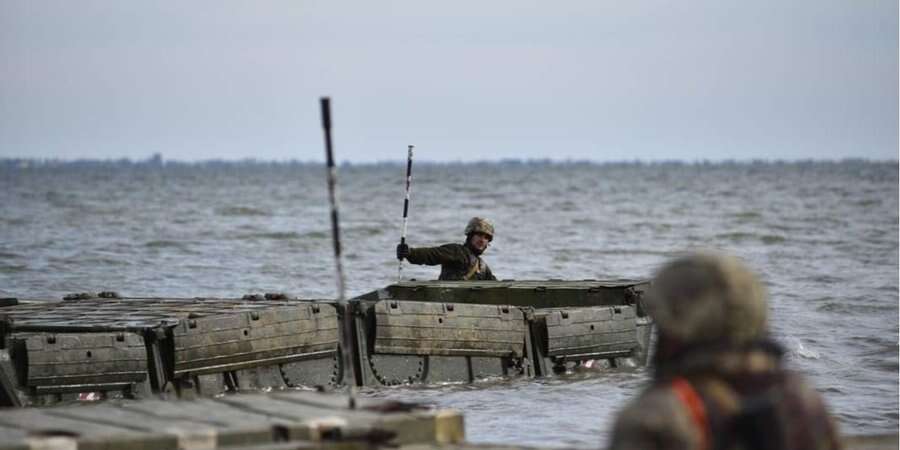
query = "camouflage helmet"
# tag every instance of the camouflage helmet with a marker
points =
(480, 225)
(707, 297)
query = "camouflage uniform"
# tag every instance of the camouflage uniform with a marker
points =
(742, 400)
(457, 261)
(718, 380)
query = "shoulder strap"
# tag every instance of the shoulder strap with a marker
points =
(695, 406)
(752, 421)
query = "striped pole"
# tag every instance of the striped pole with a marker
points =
(347, 326)
(405, 209)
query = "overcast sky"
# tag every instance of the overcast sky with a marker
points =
(594, 79)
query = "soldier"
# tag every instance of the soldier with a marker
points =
(719, 381)
(458, 261)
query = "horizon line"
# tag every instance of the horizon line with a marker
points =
(158, 160)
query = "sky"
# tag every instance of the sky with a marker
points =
(461, 80)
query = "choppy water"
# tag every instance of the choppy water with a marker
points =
(824, 236)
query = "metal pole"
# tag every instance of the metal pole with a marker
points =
(347, 325)
(405, 209)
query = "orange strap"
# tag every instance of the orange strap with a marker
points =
(694, 404)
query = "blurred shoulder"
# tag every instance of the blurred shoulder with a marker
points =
(655, 420)
(805, 407)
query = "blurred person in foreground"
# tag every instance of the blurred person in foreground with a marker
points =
(719, 380)
(458, 261)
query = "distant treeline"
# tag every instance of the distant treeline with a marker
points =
(156, 161)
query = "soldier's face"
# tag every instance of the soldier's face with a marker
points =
(479, 242)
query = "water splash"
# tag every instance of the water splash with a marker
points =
(796, 348)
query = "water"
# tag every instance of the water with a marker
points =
(823, 235)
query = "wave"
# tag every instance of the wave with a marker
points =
(62, 200)
(13, 268)
(881, 364)
(367, 231)
(796, 348)
(653, 227)
(101, 261)
(747, 216)
(316, 235)
(739, 236)
(869, 202)
(849, 307)
(885, 344)
(15, 222)
(638, 251)
(277, 235)
(165, 243)
(242, 211)
(821, 279)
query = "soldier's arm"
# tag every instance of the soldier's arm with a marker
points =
(432, 256)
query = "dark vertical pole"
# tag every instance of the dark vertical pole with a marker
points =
(405, 208)
(347, 340)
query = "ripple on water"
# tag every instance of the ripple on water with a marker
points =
(740, 237)
(12, 268)
(271, 235)
(821, 278)
(315, 235)
(747, 216)
(868, 202)
(882, 364)
(165, 244)
(365, 231)
(62, 200)
(884, 342)
(241, 211)
(14, 221)
(658, 227)
(854, 308)
(769, 239)
(104, 260)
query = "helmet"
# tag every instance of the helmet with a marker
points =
(479, 225)
(707, 297)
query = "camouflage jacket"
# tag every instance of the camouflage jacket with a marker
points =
(457, 262)
(763, 408)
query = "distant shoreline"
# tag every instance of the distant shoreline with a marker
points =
(158, 161)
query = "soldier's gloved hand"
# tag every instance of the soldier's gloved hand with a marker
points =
(402, 251)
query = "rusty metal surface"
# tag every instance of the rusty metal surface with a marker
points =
(84, 358)
(133, 346)
(411, 332)
(125, 313)
(276, 335)
(420, 328)
(526, 293)
(589, 331)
